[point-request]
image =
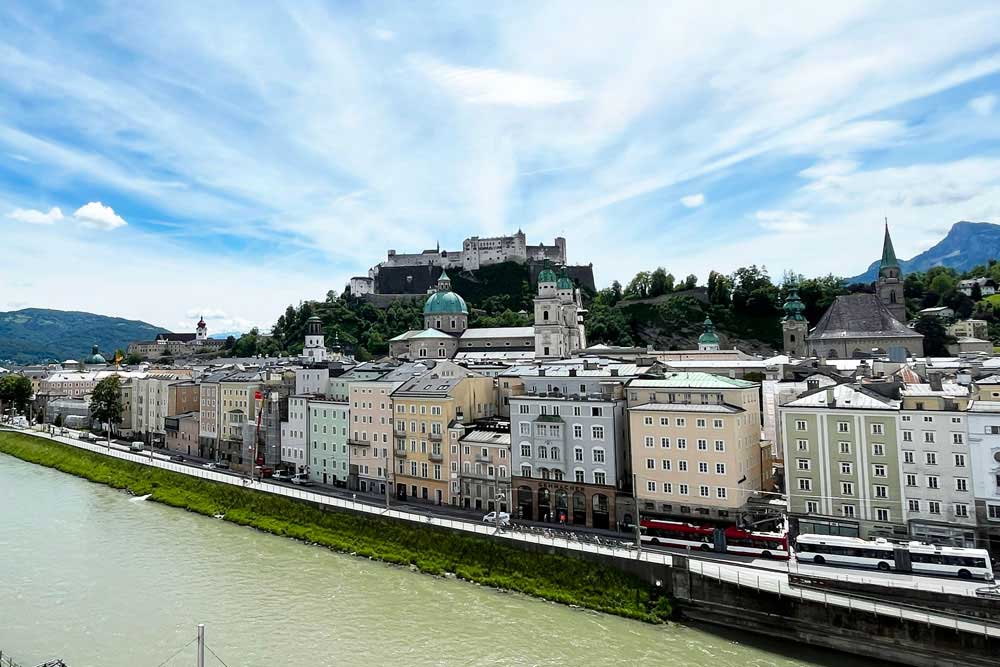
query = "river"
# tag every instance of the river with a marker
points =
(99, 579)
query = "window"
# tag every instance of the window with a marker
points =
(958, 438)
(843, 427)
(962, 511)
(716, 423)
(956, 420)
(682, 489)
(993, 512)
(577, 432)
(597, 432)
(524, 428)
(525, 471)
(927, 418)
(665, 443)
(812, 507)
(596, 412)
(881, 491)
(848, 511)
(720, 493)
(913, 505)
(648, 421)
(666, 464)
(720, 446)
(702, 467)
(845, 468)
(720, 468)
(930, 458)
(682, 466)
(911, 480)
(847, 488)
(878, 470)
(664, 421)
(802, 445)
(878, 429)
(578, 454)
(800, 425)
(802, 464)
(961, 484)
(932, 482)
(907, 436)
(651, 464)
(881, 514)
(524, 409)
(959, 460)
(805, 484)
(702, 444)
(682, 443)
(934, 507)
(649, 441)
(599, 478)
(651, 487)
(906, 418)
(878, 449)
(700, 423)
(907, 457)
(929, 437)
(845, 447)
(598, 456)
(525, 450)
(578, 476)
(703, 491)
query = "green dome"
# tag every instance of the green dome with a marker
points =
(95, 357)
(709, 337)
(564, 282)
(445, 303)
(793, 306)
(547, 276)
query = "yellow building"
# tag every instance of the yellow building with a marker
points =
(425, 461)
(694, 444)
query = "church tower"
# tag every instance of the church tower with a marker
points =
(794, 327)
(314, 350)
(559, 329)
(709, 340)
(890, 280)
(201, 332)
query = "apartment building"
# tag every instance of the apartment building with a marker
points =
(936, 464)
(210, 412)
(984, 450)
(327, 435)
(484, 464)
(294, 435)
(842, 462)
(371, 437)
(425, 464)
(242, 397)
(695, 444)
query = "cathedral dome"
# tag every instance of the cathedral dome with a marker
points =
(95, 357)
(564, 282)
(709, 337)
(445, 303)
(547, 275)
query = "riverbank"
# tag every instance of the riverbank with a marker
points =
(431, 550)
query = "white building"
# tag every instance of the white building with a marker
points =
(986, 286)
(294, 434)
(559, 313)
(314, 350)
(984, 446)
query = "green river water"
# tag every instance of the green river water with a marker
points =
(97, 578)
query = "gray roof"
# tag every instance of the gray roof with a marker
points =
(499, 332)
(859, 316)
(719, 408)
(487, 437)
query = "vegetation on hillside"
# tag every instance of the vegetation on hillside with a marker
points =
(432, 550)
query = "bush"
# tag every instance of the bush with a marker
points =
(433, 550)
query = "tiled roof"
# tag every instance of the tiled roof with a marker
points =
(859, 316)
(691, 380)
(922, 389)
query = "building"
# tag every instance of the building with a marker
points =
(987, 287)
(484, 464)
(327, 437)
(371, 435)
(569, 447)
(177, 344)
(984, 450)
(936, 464)
(970, 346)
(969, 329)
(151, 405)
(72, 412)
(841, 453)
(943, 312)
(314, 350)
(794, 327)
(559, 330)
(424, 406)
(695, 444)
(361, 285)
(242, 398)
(708, 341)
(294, 435)
(860, 325)
(210, 413)
(182, 433)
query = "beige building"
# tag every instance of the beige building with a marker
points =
(695, 444)
(370, 438)
(242, 397)
(182, 433)
(426, 463)
(969, 329)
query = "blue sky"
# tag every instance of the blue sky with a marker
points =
(171, 159)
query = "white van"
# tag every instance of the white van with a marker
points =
(136, 446)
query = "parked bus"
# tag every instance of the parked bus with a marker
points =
(884, 555)
(721, 540)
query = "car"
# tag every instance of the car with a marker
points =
(178, 458)
(217, 465)
(492, 518)
(282, 476)
(135, 446)
(302, 479)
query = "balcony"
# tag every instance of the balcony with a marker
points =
(358, 443)
(435, 437)
(399, 453)
(437, 457)
(480, 458)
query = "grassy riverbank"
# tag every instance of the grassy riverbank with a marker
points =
(432, 550)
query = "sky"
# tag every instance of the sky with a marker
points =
(165, 160)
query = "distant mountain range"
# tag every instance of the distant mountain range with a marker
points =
(35, 335)
(966, 245)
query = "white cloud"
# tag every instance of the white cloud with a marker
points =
(785, 222)
(34, 217)
(97, 215)
(983, 105)
(383, 35)
(485, 85)
(693, 201)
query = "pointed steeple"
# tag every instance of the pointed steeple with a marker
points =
(793, 306)
(888, 254)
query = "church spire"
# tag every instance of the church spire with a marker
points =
(888, 254)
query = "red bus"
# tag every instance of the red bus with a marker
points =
(706, 538)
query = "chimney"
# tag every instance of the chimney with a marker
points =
(572, 372)
(812, 384)
(614, 372)
(934, 380)
(541, 372)
(831, 400)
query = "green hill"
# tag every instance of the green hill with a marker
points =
(34, 335)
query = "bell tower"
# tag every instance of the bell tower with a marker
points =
(794, 326)
(890, 280)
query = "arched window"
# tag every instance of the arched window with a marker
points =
(555, 453)
(442, 352)
(892, 296)
(545, 314)
(791, 338)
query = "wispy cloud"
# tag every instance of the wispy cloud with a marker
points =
(33, 217)
(782, 221)
(693, 201)
(984, 104)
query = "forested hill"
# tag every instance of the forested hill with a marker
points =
(967, 244)
(34, 335)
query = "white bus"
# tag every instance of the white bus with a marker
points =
(884, 555)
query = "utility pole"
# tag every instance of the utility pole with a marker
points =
(387, 478)
(201, 645)
(635, 520)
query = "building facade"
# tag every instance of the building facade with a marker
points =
(559, 312)
(484, 464)
(984, 449)
(327, 435)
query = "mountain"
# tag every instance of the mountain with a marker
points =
(966, 245)
(34, 335)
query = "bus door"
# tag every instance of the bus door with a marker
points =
(901, 554)
(719, 540)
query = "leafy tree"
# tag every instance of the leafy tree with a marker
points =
(690, 282)
(977, 292)
(719, 289)
(15, 389)
(942, 282)
(660, 282)
(936, 338)
(106, 404)
(639, 287)
(58, 421)
(133, 359)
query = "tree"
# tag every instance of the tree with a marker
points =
(639, 288)
(15, 389)
(977, 292)
(133, 359)
(106, 403)
(690, 282)
(58, 421)
(660, 282)
(936, 338)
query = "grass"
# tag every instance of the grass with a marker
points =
(430, 549)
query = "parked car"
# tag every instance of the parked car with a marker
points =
(302, 479)
(265, 472)
(178, 458)
(217, 465)
(136, 446)
(282, 476)
(492, 518)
